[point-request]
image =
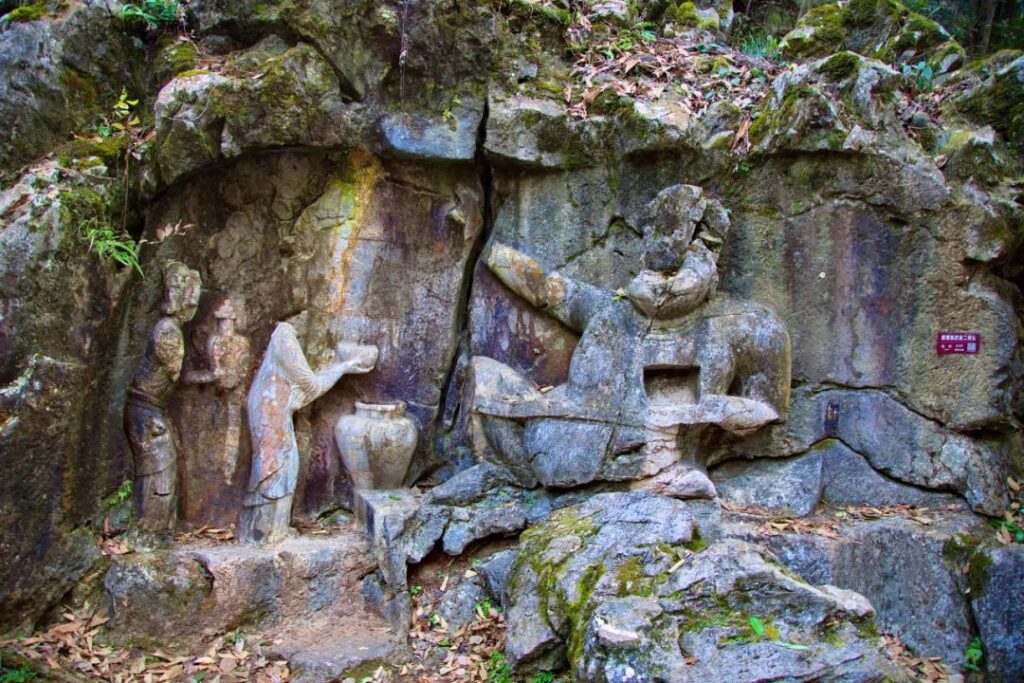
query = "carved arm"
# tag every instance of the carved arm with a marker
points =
(572, 302)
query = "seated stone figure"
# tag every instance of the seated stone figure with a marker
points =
(667, 355)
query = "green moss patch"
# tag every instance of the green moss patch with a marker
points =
(840, 66)
(34, 11)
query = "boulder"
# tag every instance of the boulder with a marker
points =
(829, 472)
(789, 487)
(496, 570)
(458, 605)
(998, 613)
(625, 590)
(912, 573)
(897, 442)
(205, 117)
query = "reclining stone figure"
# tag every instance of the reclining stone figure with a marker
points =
(667, 355)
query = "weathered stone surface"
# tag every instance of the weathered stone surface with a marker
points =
(574, 550)
(912, 573)
(849, 479)
(846, 103)
(829, 621)
(184, 595)
(55, 418)
(682, 480)
(791, 486)
(881, 29)
(332, 650)
(532, 132)
(817, 262)
(998, 613)
(997, 101)
(830, 472)
(204, 118)
(56, 75)
(496, 570)
(896, 441)
(448, 137)
(458, 606)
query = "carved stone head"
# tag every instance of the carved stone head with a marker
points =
(683, 232)
(670, 220)
(231, 308)
(182, 287)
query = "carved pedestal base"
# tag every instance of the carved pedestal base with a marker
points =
(265, 522)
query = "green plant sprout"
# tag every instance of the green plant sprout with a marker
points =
(974, 656)
(108, 244)
(123, 493)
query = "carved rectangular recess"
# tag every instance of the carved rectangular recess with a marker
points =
(668, 385)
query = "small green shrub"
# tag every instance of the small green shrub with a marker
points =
(763, 45)
(123, 493)
(20, 675)
(1015, 532)
(920, 75)
(109, 244)
(155, 14)
(498, 669)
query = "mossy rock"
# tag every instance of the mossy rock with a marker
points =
(174, 57)
(686, 15)
(998, 102)
(818, 32)
(109, 150)
(881, 29)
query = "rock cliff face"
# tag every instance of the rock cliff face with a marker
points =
(355, 160)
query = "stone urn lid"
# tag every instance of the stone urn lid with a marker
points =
(390, 409)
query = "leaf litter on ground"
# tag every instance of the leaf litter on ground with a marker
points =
(70, 647)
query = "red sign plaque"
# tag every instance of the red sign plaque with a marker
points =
(957, 343)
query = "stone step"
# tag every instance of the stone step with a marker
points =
(184, 595)
(329, 649)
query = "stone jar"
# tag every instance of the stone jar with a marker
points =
(376, 444)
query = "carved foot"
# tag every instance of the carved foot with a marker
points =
(267, 522)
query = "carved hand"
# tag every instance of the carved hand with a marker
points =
(737, 414)
(521, 273)
(357, 358)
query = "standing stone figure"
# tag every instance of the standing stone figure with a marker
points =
(284, 384)
(228, 355)
(150, 433)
